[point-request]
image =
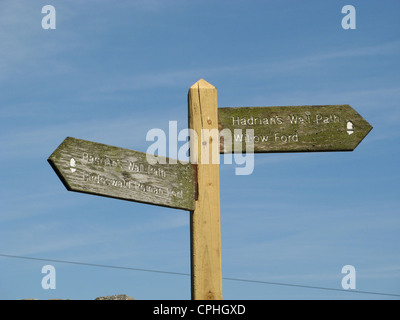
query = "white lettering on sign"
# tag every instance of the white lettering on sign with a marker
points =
(299, 119)
(132, 185)
(326, 119)
(104, 161)
(240, 137)
(286, 138)
(146, 168)
(253, 121)
(137, 167)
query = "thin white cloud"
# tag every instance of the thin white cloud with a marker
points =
(283, 66)
(41, 141)
(47, 236)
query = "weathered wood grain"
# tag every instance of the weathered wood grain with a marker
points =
(205, 219)
(99, 169)
(292, 128)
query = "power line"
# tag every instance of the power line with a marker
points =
(187, 274)
(312, 287)
(95, 265)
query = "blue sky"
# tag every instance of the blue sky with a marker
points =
(111, 71)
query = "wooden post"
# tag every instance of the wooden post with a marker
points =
(205, 226)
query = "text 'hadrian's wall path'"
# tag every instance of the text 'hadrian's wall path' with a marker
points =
(292, 128)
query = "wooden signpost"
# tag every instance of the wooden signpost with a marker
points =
(99, 169)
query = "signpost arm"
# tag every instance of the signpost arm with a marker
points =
(205, 227)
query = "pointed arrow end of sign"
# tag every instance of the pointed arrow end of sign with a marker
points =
(54, 161)
(367, 130)
(359, 126)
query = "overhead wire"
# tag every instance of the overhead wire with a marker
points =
(187, 274)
